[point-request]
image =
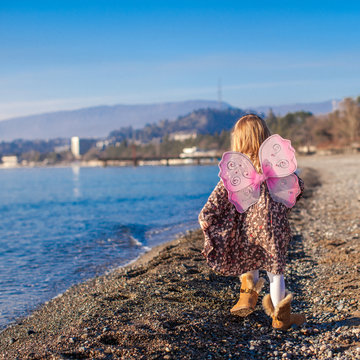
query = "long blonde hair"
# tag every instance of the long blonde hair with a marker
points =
(247, 135)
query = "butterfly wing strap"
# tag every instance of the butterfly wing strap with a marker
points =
(242, 182)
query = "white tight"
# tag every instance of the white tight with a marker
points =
(277, 285)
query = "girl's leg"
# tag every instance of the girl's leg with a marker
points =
(278, 306)
(251, 285)
(254, 273)
(277, 287)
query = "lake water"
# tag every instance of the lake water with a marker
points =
(59, 226)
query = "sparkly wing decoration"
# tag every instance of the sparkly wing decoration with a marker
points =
(277, 157)
(238, 174)
(278, 163)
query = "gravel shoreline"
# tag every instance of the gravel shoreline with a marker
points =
(170, 305)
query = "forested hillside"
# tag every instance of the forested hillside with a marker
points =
(204, 121)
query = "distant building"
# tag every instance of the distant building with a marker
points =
(307, 149)
(182, 136)
(189, 151)
(9, 161)
(194, 152)
(102, 144)
(61, 148)
(81, 146)
(75, 146)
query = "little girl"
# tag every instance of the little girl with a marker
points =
(242, 243)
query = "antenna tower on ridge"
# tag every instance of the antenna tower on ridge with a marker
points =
(219, 94)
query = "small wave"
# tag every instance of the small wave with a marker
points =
(134, 241)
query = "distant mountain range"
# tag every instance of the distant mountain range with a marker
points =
(99, 121)
(323, 107)
(96, 121)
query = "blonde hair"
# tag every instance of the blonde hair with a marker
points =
(248, 134)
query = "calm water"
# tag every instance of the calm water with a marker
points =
(59, 226)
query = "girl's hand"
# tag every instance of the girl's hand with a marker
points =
(204, 225)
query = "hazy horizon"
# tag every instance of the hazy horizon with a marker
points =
(161, 103)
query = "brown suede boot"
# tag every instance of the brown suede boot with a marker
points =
(282, 318)
(249, 293)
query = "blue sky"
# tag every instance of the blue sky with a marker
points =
(69, 54)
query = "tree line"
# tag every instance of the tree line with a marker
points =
(337, 129)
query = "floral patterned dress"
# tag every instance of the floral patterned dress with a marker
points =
(239, 242)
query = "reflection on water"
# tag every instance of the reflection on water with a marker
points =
(76, 174)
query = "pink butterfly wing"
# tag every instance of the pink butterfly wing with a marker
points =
(238, 175)
(236, 171)
(277, 157)
(284, 190)
(244, 198)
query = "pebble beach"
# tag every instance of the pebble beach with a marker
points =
(170, 305)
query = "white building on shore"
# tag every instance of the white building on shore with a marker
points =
(182, 135)
(194, 152)
(81, 146)
(9, 161)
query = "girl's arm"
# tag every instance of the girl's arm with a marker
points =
(302, 186)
